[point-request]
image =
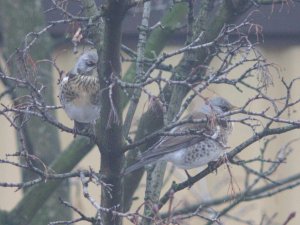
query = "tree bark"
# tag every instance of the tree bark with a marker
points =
(109, 129)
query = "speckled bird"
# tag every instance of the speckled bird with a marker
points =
(192, 150)
(80, 92)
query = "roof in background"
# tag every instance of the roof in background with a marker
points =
(130, 24)
(278, 21)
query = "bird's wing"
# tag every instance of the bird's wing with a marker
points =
(170, 144)
(93, 88)
(76, 85)
(67, 91)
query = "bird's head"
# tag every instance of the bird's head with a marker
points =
(86, 63)
(217, 105)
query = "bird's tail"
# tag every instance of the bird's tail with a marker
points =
(83, 127)
(139, 165)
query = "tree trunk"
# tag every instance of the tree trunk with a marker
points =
(107, 39)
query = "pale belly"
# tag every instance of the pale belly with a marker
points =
(85, 113)
(196, 155)
(80, 108)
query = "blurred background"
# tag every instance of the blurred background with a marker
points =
(280, 44)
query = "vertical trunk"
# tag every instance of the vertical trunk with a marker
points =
(222, 13)
(151, 120)
(109, 131)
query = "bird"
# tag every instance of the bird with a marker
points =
(79, 92)
(193, 149)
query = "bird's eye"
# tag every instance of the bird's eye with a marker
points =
(225, 108)
(90, 63)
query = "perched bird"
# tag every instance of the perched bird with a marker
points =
(193, 149)
(80, 92)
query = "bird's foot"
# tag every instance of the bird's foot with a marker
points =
(93, 139)
(212, 166)
(75, 131)
(189, 177)
(93, 133)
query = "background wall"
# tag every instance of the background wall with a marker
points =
(285, 56)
